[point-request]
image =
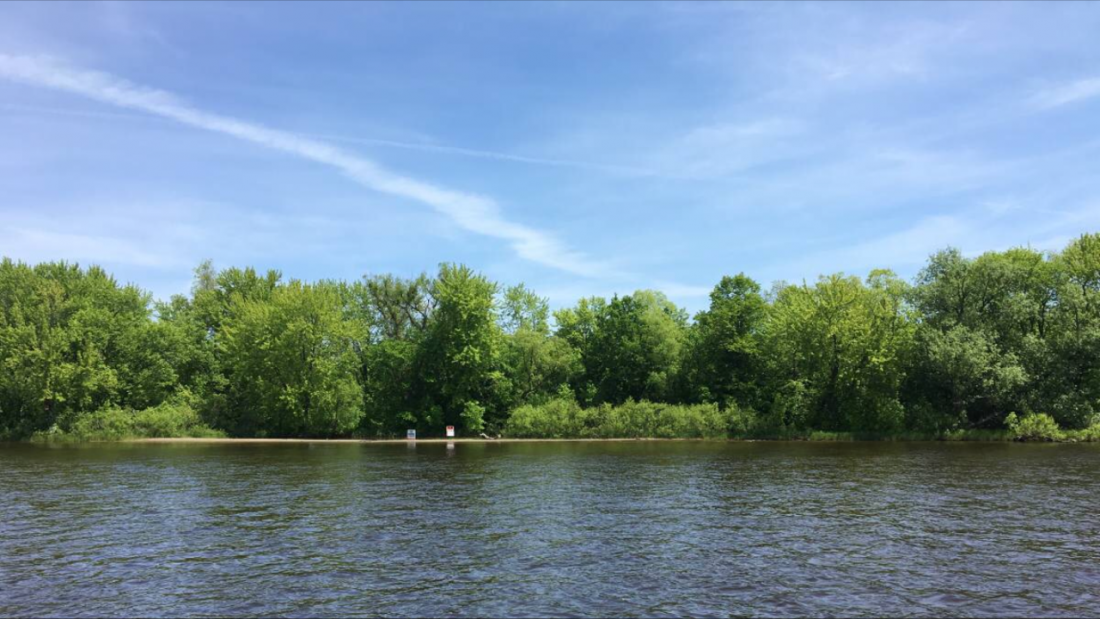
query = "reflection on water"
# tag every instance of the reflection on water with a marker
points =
(649, 529)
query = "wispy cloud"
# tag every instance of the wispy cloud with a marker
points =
(428, 147)
(474, 213)
(904, 248)
(909, 50)
(974, 230)
(40, 245)
(727, 148)
(1064, 94)
(490, 154)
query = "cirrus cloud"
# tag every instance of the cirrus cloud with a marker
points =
(471, 212)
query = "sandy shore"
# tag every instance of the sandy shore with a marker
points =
(397, 441)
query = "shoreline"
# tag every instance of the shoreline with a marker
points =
(482, 441)
(974, 436)
(430, 441)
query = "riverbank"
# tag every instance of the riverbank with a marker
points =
(181, 424)
(397, 441)
(972, 436)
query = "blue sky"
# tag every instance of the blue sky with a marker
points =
(582, 148)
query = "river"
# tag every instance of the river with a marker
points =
(550, 529)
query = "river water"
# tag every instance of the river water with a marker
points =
(550, 529)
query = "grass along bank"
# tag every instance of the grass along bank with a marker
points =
(564, 418)
(169, 420)
(561, 419)
(251, 354)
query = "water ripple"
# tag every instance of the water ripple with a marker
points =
(628, 529)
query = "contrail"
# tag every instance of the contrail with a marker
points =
(489, 154)
(478, 214)
(428, 147)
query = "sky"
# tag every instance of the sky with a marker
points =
(580, 148)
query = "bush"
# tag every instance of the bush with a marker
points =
(558, 418)
(564, 418)
(823, 436)
(473, 417)
(976, 435)
(169, 420)
(653, 420)
(742, 422)
(790, 408)
(1033, 427)
(1090, 434)
(1073, 411)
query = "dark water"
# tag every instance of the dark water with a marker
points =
(578, 529)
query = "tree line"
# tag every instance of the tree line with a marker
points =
(967, 342)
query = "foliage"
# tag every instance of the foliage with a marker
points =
(457, 359)
(389, 376)
(473, 417)
(73, 340)
(400, 309)
(248, 353)
(838, 348)
(722, 360)
(1033, 427)
(1090, 434)
(564, 418)
(557, 418)
(292, 364)
(523, 310)
(961, 378)
(168, 420)
(630, 347)
(537, 367)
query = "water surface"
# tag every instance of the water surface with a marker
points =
(562, 529)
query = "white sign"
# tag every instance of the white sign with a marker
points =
(410, 435)
(450, 431)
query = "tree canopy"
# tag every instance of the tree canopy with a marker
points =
(967, 342)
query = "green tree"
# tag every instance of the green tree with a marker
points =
(1072, 378)
(390, 389)
(536, 366)
(840, 348)
(722, 361)
(64, 332)
(629, 348)
(292, 366)
(402, 308)
(962, 379)
(522, 309)
(986, 336)
(577, 326)
(458, 356)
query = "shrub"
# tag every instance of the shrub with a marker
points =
(1090, 434)
(790, 408)
(103, 425)
(1033, 427)
(654, 420)
(558, 418)
(1073, 411)
(742, 422)
(169, 420)
(473, 417)
(564, 418)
